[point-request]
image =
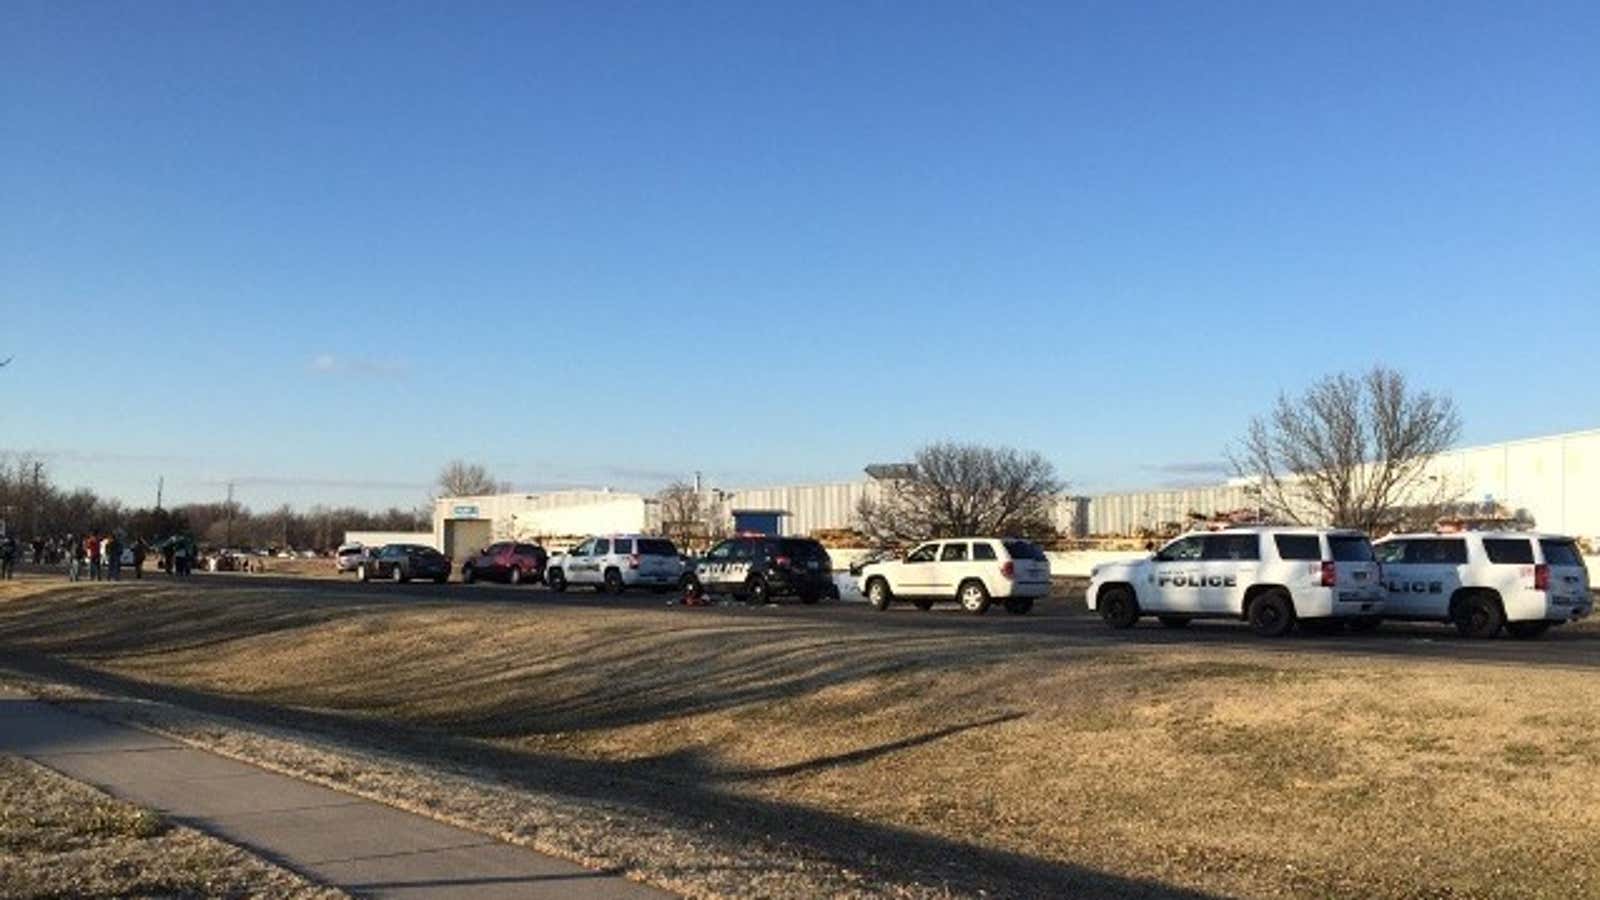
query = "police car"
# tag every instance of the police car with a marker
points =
(1485, 580)
(615, 562)
(759, 568)
(1272, 577)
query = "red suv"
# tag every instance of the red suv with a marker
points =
(506, 561)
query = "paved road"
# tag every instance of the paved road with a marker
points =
(362, 847)
(1569, 646)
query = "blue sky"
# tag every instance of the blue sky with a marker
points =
(322, 248)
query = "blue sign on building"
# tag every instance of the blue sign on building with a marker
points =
(464, 512)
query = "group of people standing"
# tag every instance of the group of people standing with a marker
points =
(100, 557)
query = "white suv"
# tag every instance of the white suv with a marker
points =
(1483, 580)
(971, 571)
(617, 562)
(1270, 577)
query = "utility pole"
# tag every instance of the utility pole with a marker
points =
(38, 494)
(161, 482)
(228, 538)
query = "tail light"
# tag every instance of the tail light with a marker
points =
(1541, 577)
(1008, 570)
(781, 562)
(633, 561)
(1328, 574)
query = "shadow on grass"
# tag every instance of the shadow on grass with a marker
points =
(681, 789)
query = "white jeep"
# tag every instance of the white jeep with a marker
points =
(971, 571)
(616, 562)
(1272, 577)
(1485, 580)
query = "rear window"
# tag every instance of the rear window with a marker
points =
(656, 547)
(982, 550)
(801, 549)
(1509, 551)
(622, 546)
(1350, 548)
(1560, 553)
(1298, 546)
(1023, 550)
(527, 550)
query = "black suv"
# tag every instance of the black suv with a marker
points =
(761, 568)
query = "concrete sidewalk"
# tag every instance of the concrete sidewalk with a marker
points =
(339, 839)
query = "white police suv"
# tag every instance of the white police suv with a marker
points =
(1485, 580)
(615, 562)
(1272, 577)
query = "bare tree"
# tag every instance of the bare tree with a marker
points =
(1351, 451)
(683, 514)
(964, 489)
(463, 479)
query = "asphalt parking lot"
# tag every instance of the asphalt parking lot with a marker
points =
(1576, 645)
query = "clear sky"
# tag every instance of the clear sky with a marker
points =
(322, 248)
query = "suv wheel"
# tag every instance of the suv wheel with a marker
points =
(515, 575)
(756, 592)
(613, 582)
(1117, 606)
(1525, 630)
(692, 588)
(556, 580)
(1479, 615)
(468, 574)
(1019, 606)
(399, 576)
(974, 596)
(1272, 613)
(878, 594)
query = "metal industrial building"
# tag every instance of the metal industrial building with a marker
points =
(1554, 480)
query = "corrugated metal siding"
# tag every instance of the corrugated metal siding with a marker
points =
(811, 506)
(1127, 513)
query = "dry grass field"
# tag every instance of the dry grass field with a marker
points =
(59, 838)
(788, 752)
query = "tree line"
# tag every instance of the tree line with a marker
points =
(33, 506)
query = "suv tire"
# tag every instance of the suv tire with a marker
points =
(1019, 606)
(756, 592)
(515, 575)
(613, 582)
(1118, 607)
(468, 574)
(399, 575)
(974, 596)
(692, 588)
(362, 574)
(556, 580)
(879, 595)
(1272, 613)
(1478, 615)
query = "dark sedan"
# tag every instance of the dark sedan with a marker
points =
(403, 562)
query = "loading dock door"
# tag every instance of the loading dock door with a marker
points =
(464, 537)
